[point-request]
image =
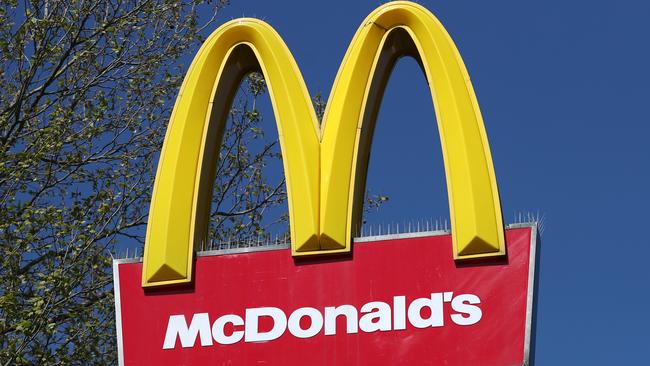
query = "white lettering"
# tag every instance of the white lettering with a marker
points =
(251, 329)
(315, 326)
(399, 312)
(466, 304)
(378, 317)
(351, 319)
(435, 304)
(218, 329)
(375, 316)
(177, 328)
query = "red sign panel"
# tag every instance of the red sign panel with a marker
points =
(401, 300)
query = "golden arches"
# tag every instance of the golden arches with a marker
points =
(322, 173)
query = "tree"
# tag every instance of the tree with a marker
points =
(87, 91)
(248, 204)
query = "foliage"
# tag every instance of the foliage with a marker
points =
(87, 91)
(249, 202)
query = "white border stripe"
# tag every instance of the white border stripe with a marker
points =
(530, 296)
(118, 313)
(530, 301)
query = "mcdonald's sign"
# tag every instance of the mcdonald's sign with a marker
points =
(434, 297)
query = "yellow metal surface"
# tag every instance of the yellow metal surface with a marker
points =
(325, 176)
(393, 30)
(180, 202)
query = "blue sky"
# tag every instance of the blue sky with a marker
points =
(563, 87)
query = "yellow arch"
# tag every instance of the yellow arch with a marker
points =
(393, 30)
(322, 176)
(182, 190)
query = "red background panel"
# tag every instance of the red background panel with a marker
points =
(377, 271)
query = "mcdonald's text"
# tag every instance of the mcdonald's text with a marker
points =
(376, 316)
